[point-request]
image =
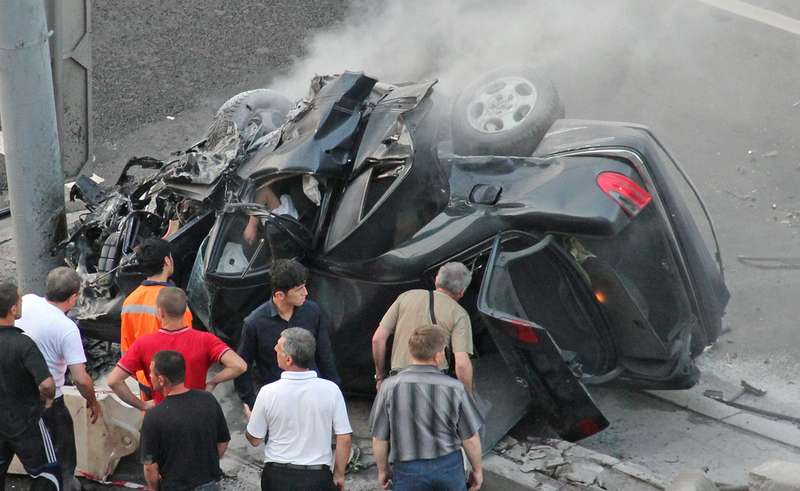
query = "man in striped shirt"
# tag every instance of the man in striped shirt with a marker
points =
(425, 417)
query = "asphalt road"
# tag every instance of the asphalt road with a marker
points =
(716, 82)
(154, 58)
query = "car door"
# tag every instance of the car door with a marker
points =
(528, 348)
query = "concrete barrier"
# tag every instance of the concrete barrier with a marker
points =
(99, 446)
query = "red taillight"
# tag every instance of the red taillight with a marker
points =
(587, 427)
(628, 195)
(522, 331)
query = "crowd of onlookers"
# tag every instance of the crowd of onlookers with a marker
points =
(423, 420)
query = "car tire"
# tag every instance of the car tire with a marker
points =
(506, 112)
(267, 107)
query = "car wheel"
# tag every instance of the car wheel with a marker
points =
(265, 108)
(506, 112)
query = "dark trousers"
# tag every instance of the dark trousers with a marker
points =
(283, 479)
(59, 422)
(35, 450)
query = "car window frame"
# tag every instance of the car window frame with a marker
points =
(361, 217)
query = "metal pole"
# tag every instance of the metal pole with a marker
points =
(71, 52)
(32, 153)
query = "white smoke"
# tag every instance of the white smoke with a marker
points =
(454, 40)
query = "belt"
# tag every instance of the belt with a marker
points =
(279, 465)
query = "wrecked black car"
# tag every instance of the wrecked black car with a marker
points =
(588, 267)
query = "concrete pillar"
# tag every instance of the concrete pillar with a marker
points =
(32, 153)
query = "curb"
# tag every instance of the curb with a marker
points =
(693, 400)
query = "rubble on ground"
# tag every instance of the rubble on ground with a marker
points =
(545, 463)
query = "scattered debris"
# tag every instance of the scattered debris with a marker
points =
(773, 153)
(119, 483)
(574, 465)
(171, 118)
(775, 474)
(693, 480)
(585, 473)
(747, 388)
(770, 262)
(355, 464)
(740, 197)
(101, 356)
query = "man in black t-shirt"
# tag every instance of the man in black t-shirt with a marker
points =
(25, 382)
(184, 437)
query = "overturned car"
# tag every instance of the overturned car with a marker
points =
(588, 267)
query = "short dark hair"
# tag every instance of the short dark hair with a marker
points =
(62, 282)
(150, 255)
(287, 274)
(300, 344)
(172, 300)
(9, 295)
(170, 365)
(426, 341)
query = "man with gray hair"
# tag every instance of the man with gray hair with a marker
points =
(45, 320)
(415, 308)
(296, 415)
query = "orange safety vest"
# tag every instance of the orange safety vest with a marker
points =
(139, 317)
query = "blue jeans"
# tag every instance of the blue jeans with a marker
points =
(444, 473)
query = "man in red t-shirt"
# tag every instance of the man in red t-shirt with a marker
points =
(200, 350)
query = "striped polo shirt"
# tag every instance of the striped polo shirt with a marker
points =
(424, 414)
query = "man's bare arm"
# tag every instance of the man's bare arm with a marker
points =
(85, 386)
(380, 451)
(47, 391)
(253, 440)
(221, 448)
(472, 447)
(233, 365)
(117, 383)
(379, 340)
(343, 445)
(464, 370)
(152, 476)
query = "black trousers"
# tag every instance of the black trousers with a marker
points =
(59, 422)
(35, 450)
(282, 479)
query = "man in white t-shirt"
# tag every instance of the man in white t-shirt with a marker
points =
(45, 321)
(296, 415)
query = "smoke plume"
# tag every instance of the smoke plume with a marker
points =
(455, 41)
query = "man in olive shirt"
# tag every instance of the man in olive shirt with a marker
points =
(415, 308)
(25, 382)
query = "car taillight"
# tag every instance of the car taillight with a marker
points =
(587, 427)
(631, 197)
(522, 331)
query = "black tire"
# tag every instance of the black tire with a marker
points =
(267, 107)
(531, 113)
